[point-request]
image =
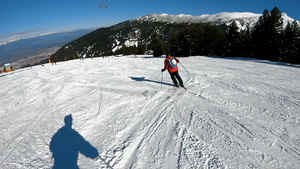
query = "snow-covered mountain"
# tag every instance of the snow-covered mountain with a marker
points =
(234, 114)
(182, 18)
(138, 32)
(241, 18)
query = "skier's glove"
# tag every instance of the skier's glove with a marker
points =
(162, 70)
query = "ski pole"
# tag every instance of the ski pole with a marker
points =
(162, 74)
(104, 162)
(185, 69)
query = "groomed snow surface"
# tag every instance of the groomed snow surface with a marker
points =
(235, 113)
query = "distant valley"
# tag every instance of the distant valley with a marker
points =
(33, 50)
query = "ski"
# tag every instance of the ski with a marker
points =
(183, 87)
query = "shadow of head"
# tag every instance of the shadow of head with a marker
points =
(68, 121)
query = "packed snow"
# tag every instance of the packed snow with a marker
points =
(123, 112)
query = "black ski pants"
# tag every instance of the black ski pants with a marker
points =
(175, 76)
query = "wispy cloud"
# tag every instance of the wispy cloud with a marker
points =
(24, 35)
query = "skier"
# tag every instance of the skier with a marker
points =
(170, 63)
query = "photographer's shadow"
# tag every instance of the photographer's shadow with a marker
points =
(66, 145)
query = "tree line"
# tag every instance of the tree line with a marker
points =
(268, 39)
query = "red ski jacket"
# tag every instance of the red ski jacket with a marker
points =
(167, 65)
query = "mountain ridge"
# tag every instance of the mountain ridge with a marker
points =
(138, 31)
(199, 18)
(221, 17)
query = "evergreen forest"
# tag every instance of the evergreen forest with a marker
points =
(268, 39)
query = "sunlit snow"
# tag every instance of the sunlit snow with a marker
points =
(127, 114)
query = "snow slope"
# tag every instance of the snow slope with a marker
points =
(235, 114)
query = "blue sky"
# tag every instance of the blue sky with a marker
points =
(28, 17)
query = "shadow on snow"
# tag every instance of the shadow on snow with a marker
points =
(143, 79)
(66, 145)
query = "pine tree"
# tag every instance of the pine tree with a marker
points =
(233, 41)
(213, 40)
(180, 42)
(197, 39)
(184, 38)
(267, 39)
(291, 43)
(296, 59)
(276, 27)
(246, 46)
(157, 45)
(276, 21)
(174, 44)
(260, 36)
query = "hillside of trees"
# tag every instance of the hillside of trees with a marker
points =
(267, 40)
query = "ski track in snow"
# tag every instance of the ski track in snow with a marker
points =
(234, 114)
